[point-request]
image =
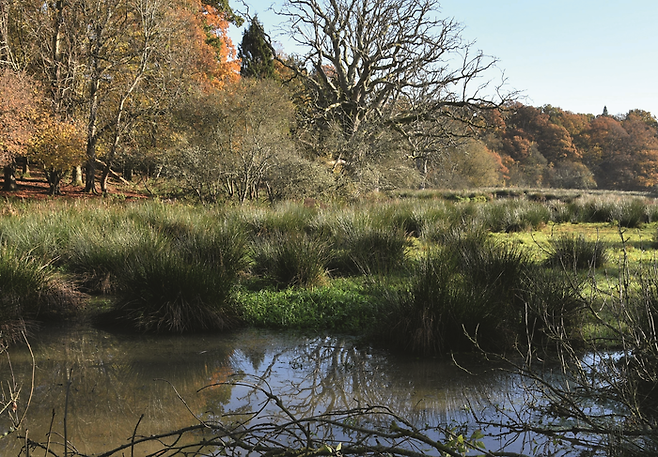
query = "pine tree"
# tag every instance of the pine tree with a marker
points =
(256, 54)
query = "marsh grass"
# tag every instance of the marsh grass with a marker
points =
(30, 290)
(461, 260)
(631, 214)
(362, 246)
(513, 215)
(286, 217)
(162, 291)
(183, 282)
(554, 306)
(368, 251)
(96, 254)
(466, 289)
(294, 259)
(575, 252)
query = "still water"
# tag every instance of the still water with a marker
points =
(103, 382)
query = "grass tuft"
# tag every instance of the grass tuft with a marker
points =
(573, 252)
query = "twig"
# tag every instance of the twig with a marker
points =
(132, 440)
(50, 431)
(32, 382)
(66, 410)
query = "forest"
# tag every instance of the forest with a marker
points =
(153, 91)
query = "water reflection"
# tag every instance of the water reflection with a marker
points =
(115, 379)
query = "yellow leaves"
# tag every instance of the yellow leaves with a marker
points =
(58, 145)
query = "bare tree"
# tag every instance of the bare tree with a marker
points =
(392, 62)
(234, 138)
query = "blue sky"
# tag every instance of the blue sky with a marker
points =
(579, 55)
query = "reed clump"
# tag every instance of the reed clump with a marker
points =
(294, 259)
(574, 252)
(464, 290)
(31, 290)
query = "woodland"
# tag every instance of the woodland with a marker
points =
(155, 91)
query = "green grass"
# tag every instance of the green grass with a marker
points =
(179, 267)
(346, 306)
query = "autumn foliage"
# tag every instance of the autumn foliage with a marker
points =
(18, 114)
(57, 147)
(215, 56)
(547, 146)
(136, 84)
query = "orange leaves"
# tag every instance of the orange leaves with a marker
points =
(213, 52)
(18, 113)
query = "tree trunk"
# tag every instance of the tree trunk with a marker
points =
(76, 176)
(10, 177)
(54, 181)
(104, 176)
(128, 172)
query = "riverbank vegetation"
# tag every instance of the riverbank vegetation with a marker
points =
(432, 274)
(476, 260)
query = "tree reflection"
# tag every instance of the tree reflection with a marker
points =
(253, 388)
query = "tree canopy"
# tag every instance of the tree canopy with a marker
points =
(387, 60)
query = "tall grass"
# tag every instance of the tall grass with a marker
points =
(29, 290)
(363, 247)
(294, 259)
(470, 291)
(576, 253)
(466, 289)
(180, 280)
(174, 267)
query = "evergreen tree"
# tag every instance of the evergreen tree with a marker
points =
(256, 54)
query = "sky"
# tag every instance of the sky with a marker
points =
(578, 55)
